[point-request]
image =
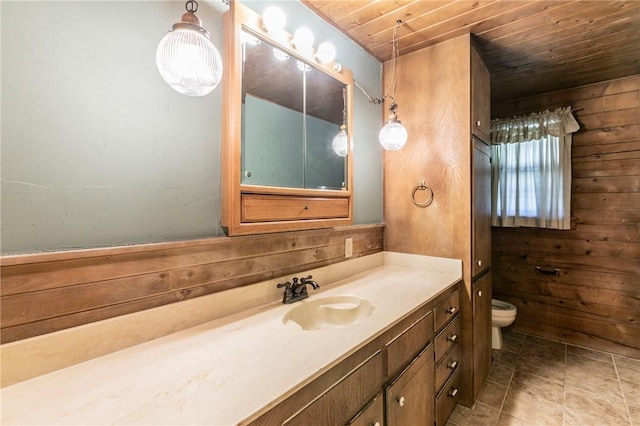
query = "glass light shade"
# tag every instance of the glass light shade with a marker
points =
(326, 53)
(188, 62)
(393, 135)
(302, 39)
(340, 142)
(273, 20)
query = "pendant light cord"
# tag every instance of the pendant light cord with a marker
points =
(394, 58)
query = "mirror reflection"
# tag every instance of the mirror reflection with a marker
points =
(291, 112)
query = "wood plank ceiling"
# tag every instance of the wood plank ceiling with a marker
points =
(530, 47)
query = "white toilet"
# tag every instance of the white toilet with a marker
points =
(503, 314)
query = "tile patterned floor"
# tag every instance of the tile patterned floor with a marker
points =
(535, 381)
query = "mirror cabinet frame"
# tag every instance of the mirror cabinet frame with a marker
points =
(254, 209)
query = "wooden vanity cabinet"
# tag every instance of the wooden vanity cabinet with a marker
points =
(447, 358)
(389, 381)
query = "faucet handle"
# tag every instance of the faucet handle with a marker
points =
(287, 285)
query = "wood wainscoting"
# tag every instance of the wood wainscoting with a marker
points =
(595, 299)
(47, 292)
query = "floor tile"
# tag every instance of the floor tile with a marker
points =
(512, 341)
(508, 420)
(532, 411)
(583, 418)
(606, 408)
(493, 395)
(549, 344)
(505, 357)
(546, 367)
(480, 415)
(577, 380)
(538, 387)
(534, 381)
(501, 374)
(631, 392)
(634, 414)
(628, 369)
(580, 365)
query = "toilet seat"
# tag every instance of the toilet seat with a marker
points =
(501, 308)
(501, 305)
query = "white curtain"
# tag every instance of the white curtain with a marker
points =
(531, 169)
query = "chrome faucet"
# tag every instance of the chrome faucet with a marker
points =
(297, 289)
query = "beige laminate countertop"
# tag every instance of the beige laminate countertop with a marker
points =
(226, 371)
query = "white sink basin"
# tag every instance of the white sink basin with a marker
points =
(329, 311)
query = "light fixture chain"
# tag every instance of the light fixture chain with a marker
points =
(191, 6)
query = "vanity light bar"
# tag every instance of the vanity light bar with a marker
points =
(273, 21)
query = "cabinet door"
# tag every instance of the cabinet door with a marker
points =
(371, 415)
(410, 397)
(480, 98)
(481, 331)
(481, 208)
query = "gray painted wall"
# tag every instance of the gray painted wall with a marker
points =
(97, 150)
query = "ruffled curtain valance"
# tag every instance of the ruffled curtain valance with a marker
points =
(558, 123)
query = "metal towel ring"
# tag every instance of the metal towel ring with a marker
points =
(421, 186)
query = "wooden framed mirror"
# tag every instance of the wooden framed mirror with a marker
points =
(282, 109)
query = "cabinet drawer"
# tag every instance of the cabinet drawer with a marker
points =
(447, 338)
(404, 347)
(450, 362)
(445, 311)
(342, 401)
(447, 399)
(267, 208)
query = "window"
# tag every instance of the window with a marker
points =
(531, 170)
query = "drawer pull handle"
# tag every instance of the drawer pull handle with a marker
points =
(479, 293)
(376, 424)
(452, 364)
(401, 401)
(453, 393)
(452, 338)
(452, 310)
(479, 262)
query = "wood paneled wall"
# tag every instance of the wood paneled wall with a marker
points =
(595, 300)
(46, 292)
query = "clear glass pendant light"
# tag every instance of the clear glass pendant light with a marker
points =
(393, 136)
(340, 141)
(187, 60)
